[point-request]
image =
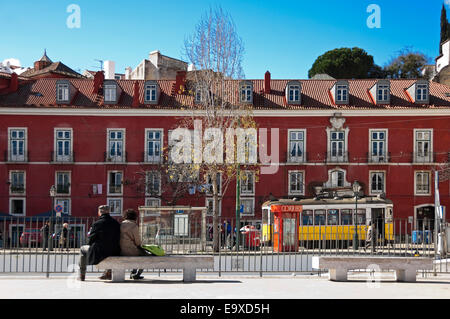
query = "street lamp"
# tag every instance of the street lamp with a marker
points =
(52, 195)
(356, 189)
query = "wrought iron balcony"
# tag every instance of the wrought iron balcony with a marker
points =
(116, 158)
(336, 157)
(61, 159)
(378, 159)
(11, 158)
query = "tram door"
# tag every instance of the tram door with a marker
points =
(378, 221)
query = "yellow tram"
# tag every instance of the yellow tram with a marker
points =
(326, 219)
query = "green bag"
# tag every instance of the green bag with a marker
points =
(154, 250)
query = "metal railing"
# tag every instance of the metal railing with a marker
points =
(25, 246)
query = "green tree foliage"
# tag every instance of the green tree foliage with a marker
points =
(445, 28)
(345, 63)
(406, 65)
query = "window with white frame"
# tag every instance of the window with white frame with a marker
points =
(116, 145)
(63, 183)
(293, 93)
(153, 202)
(378, 145)
(296, 183)
(422, 92)
(63, 145)
(64, 203)
(17, 182)
(248, 206)
(17, 206)
(210, 206)
(297, 146)
(115, 183)
(246, 95)
(247, 183)
(218, 183)
(110, 93)
(62, 94)
(337, 179)
(151, 92)
(422, 183)
(383, 93)
(115, 206)
(17, 144)
(341, 93)
(377, 182)
(153, 183)
(154, 145)
(423, 146)
(337, 146)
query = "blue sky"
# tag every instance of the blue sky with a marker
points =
(284, 37)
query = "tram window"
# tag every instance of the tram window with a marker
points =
(307, 218)
(319, 217)
(333, 217)
(346, 217)
(361, 219)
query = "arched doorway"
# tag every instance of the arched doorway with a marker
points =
(424, 217)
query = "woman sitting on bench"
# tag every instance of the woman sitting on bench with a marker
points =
(130, 240)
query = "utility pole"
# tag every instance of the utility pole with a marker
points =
(238, 199)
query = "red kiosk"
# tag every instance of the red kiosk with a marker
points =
(285, 227)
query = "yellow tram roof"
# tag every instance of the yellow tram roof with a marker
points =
(329, 201)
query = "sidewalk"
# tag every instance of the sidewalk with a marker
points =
(210, 286)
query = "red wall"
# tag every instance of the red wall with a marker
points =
(89, 136)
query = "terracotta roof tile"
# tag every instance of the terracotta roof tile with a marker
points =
(42, 93)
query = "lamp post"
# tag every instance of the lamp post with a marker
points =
(356, 189)
(52, 195)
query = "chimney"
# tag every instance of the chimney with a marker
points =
(128, 73)
(136, 102)
(14, 83)
(267, 83)
(110, 70)
(99, 77)
(180, 82)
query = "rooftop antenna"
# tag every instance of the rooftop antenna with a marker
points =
(101, 64)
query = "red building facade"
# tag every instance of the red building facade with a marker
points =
(93, 138)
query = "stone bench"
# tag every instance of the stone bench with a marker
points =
(189, 264)
(405, 267)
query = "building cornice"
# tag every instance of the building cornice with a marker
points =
(256, 113)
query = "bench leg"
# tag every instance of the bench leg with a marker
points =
(118, 275)
(189, 274)
(338, 274)
(406, 275)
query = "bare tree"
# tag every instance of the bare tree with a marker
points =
(215, 51)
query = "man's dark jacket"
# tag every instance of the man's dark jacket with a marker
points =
(104, 239)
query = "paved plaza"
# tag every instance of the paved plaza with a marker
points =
(233, 286)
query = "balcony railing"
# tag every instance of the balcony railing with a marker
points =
(17, 189)
(421, 157)
(115, 158)
(336, 157)
(151, 159)
(298, 159)
(115, 189)
(63, 189)
(375, 159)
(54, 158)
(10, 158)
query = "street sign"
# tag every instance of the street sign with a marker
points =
(58, 208)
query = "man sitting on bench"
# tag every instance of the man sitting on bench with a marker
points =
(104, 241)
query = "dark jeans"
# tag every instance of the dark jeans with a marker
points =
(83, 258)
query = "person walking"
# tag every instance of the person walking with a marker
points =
(45, 231)
(63, 237)
(130, 240)
(371, 237)
(104, 241)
